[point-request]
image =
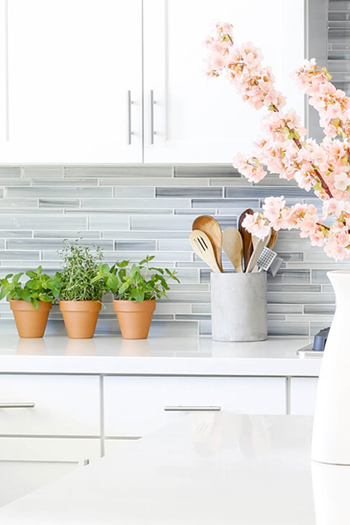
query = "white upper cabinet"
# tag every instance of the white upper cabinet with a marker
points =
(122, 81)
(67, 67)
(195, 119)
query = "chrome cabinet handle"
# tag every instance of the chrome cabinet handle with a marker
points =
(151, 116)
(129, 132)
(192, 409)
(17, 405)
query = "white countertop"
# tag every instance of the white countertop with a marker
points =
(155, 355)
(206, 469)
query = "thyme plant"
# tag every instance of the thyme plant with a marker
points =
(78, 277)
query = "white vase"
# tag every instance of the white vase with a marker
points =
(331, 430)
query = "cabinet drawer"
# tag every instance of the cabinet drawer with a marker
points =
(135, 406)
(64, 405)
(303, 392)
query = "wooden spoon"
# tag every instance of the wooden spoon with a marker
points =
(233, 247)
(273, 239)
(212, 228)
(246, 237)
(201, 244)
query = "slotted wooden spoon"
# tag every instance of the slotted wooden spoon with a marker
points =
(246, 237)
(233, 247)
(212, 229)
(202, 246)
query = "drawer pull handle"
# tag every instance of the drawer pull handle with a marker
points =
(17, 405)
(192, 409)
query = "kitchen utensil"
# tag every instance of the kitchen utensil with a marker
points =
(232, 244)
(273, 239)
(266, 259)
(212, 229)
(275, 266)
(259, 245)
(246, 237)
(201, 244)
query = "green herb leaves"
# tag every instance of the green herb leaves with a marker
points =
(140, 282)
(78, 277)
(39, 287)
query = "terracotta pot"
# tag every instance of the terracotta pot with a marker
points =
(134, 318)
(30, 322)
(80, 318)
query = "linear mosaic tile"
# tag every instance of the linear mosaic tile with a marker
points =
(35, 222)
(54, 244)
(57, 191)
(8, 171)
(210, 193)
(19, 203)
(132, 192)
(206, 171)
(153, 182)
(263, 192)
(234, 204)
(119, 171)
(144, 246)
(59, 203)
(48, 172)
(65, 183)
(141, 204)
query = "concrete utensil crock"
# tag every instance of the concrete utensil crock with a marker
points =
(239, 306)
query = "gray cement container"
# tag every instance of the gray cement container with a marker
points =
(239, 306)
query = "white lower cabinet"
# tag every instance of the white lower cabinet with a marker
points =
(135, 406)
(27, 464)
(49, 405)
(303, 392)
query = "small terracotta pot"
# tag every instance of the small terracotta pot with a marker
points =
(30, 322)
(134, 318)
(80, 318)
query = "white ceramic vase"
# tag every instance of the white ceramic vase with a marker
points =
(331, 431)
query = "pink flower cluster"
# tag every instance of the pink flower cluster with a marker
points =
(283, 148)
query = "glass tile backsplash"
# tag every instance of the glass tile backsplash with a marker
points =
(132, 211)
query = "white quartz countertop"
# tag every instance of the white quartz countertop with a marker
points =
(155, 356)
(206, 469)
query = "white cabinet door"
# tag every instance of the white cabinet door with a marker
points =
(66, 70)
(27, 464)
(135, 406)
(63, 405)
(193, 119)
(303, 392)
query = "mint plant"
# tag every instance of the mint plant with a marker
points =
(39, 287)
(139, 282)
(78, 277)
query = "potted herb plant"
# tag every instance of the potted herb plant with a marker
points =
(80, 293)
(136, 289)
(30, 301)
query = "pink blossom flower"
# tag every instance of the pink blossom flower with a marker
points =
(272, 207)
(283, 149)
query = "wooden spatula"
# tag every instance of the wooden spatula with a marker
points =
(233, 247)
(201, 244)
(212, 228)
(246, 237)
